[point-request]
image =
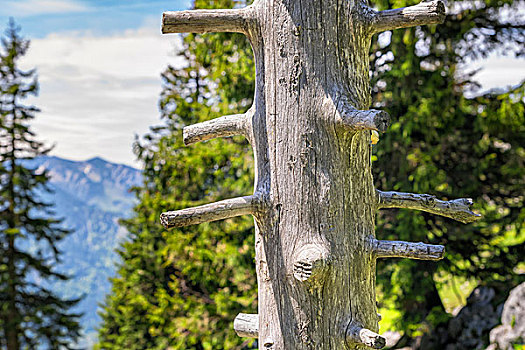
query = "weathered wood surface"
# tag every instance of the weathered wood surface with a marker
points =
(310, 127)
(353, 119)
(230, 125)
(355, 334)
(400, 249)
(210, 212)
(457, 209)
(432, 12)
(246, 325)
(204, 21)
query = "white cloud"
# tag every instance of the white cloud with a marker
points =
(97, 92)
(22, 8)
(500, 72)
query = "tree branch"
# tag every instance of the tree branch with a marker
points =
(246, 325)
(351, 118)
(357, 334)
(204, 21)
(432, 12)
(365, 120)
(400, 249)
(210, 212)
(229, 125)
(457, 209)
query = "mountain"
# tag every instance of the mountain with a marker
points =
(91, 196)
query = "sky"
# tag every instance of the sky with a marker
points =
(99, 65)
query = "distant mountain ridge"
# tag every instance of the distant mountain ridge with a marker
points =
(93, 180)
(91, 196)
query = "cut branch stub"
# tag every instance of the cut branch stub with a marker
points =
(357, 334)
(211, 212)
(204, 21)
(457, 209)
(353, 119)
(246, 325)
(365, 120)
(432, 12)
(229, 125)
(400, 249)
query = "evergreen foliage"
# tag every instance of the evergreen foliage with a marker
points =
(443, 143)
(31, 315)
(182, 289)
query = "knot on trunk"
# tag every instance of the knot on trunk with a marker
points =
(310, 263)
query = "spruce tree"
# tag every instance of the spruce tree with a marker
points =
(31, 315)
(179, 289)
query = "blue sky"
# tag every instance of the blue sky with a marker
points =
(101, 17)
(99, 64)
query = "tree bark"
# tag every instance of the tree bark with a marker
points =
(210, 212)
(458, 209)
(246, 325)
(310, 128)
(312, 77)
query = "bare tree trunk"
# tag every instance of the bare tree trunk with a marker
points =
(315, 269)
(314, 202)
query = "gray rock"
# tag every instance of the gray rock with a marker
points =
(475, 320)
(512, 330)
(469, 329)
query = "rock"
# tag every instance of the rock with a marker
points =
(475, 320)
(512, 330)
(469, 329)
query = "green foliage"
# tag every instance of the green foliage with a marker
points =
(181, 289)
(31, 315)
(443, 143)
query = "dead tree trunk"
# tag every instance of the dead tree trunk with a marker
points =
(314, 201)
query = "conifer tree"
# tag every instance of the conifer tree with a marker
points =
(31, 315)
(175, 288)
(180, 288)
(450, 139)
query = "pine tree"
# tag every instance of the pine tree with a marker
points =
(181, 289)
(31, 315)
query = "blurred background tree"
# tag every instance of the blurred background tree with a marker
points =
(452, 140)
(31, 315)
(183, 288)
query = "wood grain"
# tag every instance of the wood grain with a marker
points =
(204, 21)
(401, 249)
(210, 212)
(457, 209)
(246, 325)
(432, 12)
(230, 125)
